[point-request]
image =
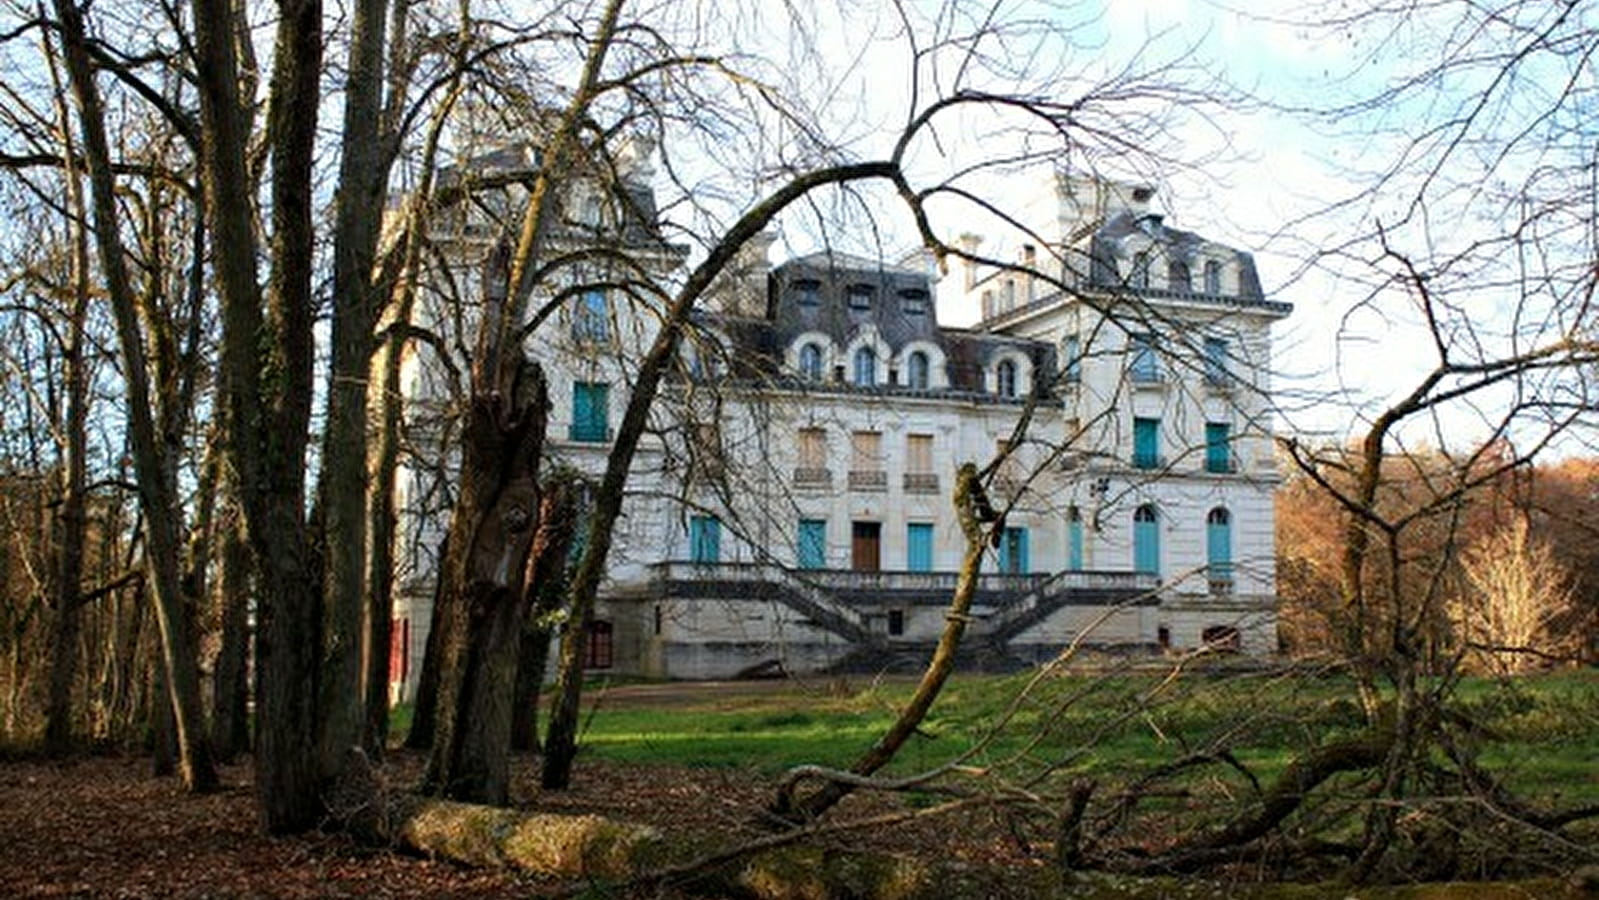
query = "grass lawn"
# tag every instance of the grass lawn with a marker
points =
(1541, 733)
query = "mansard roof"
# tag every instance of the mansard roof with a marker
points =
(1109, 240)
(843, 298)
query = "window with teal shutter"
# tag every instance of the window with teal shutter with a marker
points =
(1218, 447)
(1074, 539)
(705, 539)
(1216, 353)
(590, 411)
(1146, 443)
(1146, 540)
(812, 543)
(1219, 549)
(919, 547)
(1013, 552)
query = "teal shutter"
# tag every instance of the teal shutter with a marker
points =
(919, 547)
(1219, 545)
(590, 411)
(705, 539)
(1146, 541)
(812, 543)
(1218, 447)
(1074, 540)
(1013, 552)
(1146, 443)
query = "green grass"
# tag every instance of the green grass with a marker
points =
(1545, 729)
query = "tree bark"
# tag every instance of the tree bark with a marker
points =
(230, 728)
(349, 654)
(155, 491)
(549, 561)
(483, 577)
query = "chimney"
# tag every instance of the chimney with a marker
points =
(968, 243)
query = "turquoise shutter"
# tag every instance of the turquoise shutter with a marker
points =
(812, 543)
(919, 547)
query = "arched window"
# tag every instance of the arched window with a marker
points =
(865, 367)
(1005, 379)
(1219, 550)
(1141, 270)
(810, 362)
(917, 371)
(1212, 277)
(1146, 540)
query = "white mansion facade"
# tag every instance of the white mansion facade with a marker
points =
(791, 506)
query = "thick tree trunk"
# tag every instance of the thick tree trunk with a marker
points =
(483, 576)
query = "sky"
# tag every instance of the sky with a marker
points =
(1270, 172)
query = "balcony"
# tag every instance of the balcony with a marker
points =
(868, 480)
(810, 478)
(921, 483)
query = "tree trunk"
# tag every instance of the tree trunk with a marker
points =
(71, 522)
(230, 723)
(424, 714)
(155, 495)
(349, 654)
(483, 576)
(547, 583)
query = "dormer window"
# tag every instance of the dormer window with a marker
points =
(913, 301)
(1005, 379)
(1212, 277)
(1178, 278)
(1140, 277)
(860, 296)
(865, 367)
(916, 371)
(807, 292)
(810, 362)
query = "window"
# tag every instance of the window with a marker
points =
(660, 619)
(919, 454)
(591, 402)
(1212, 277)
(917, 371)
(1219, 550)
(810, 362)
(1013, 552)
(807, 292)
(896, 622)
(591, 318)
(865, 367)
(1216, 352)
(913, 302)
(866, 462)
(1218, 447)
(1072, 352)
(1146, 443)
(1074, 539)
(705, 539)
(1178, 278)
(813, 448)
(1005, 379)
(866, 546)
(399, 648)
(1145, 364)
(860, 296)
(1146, 540)
(919, 547)
(1140, 277)
(600, 648)
(812, 550)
